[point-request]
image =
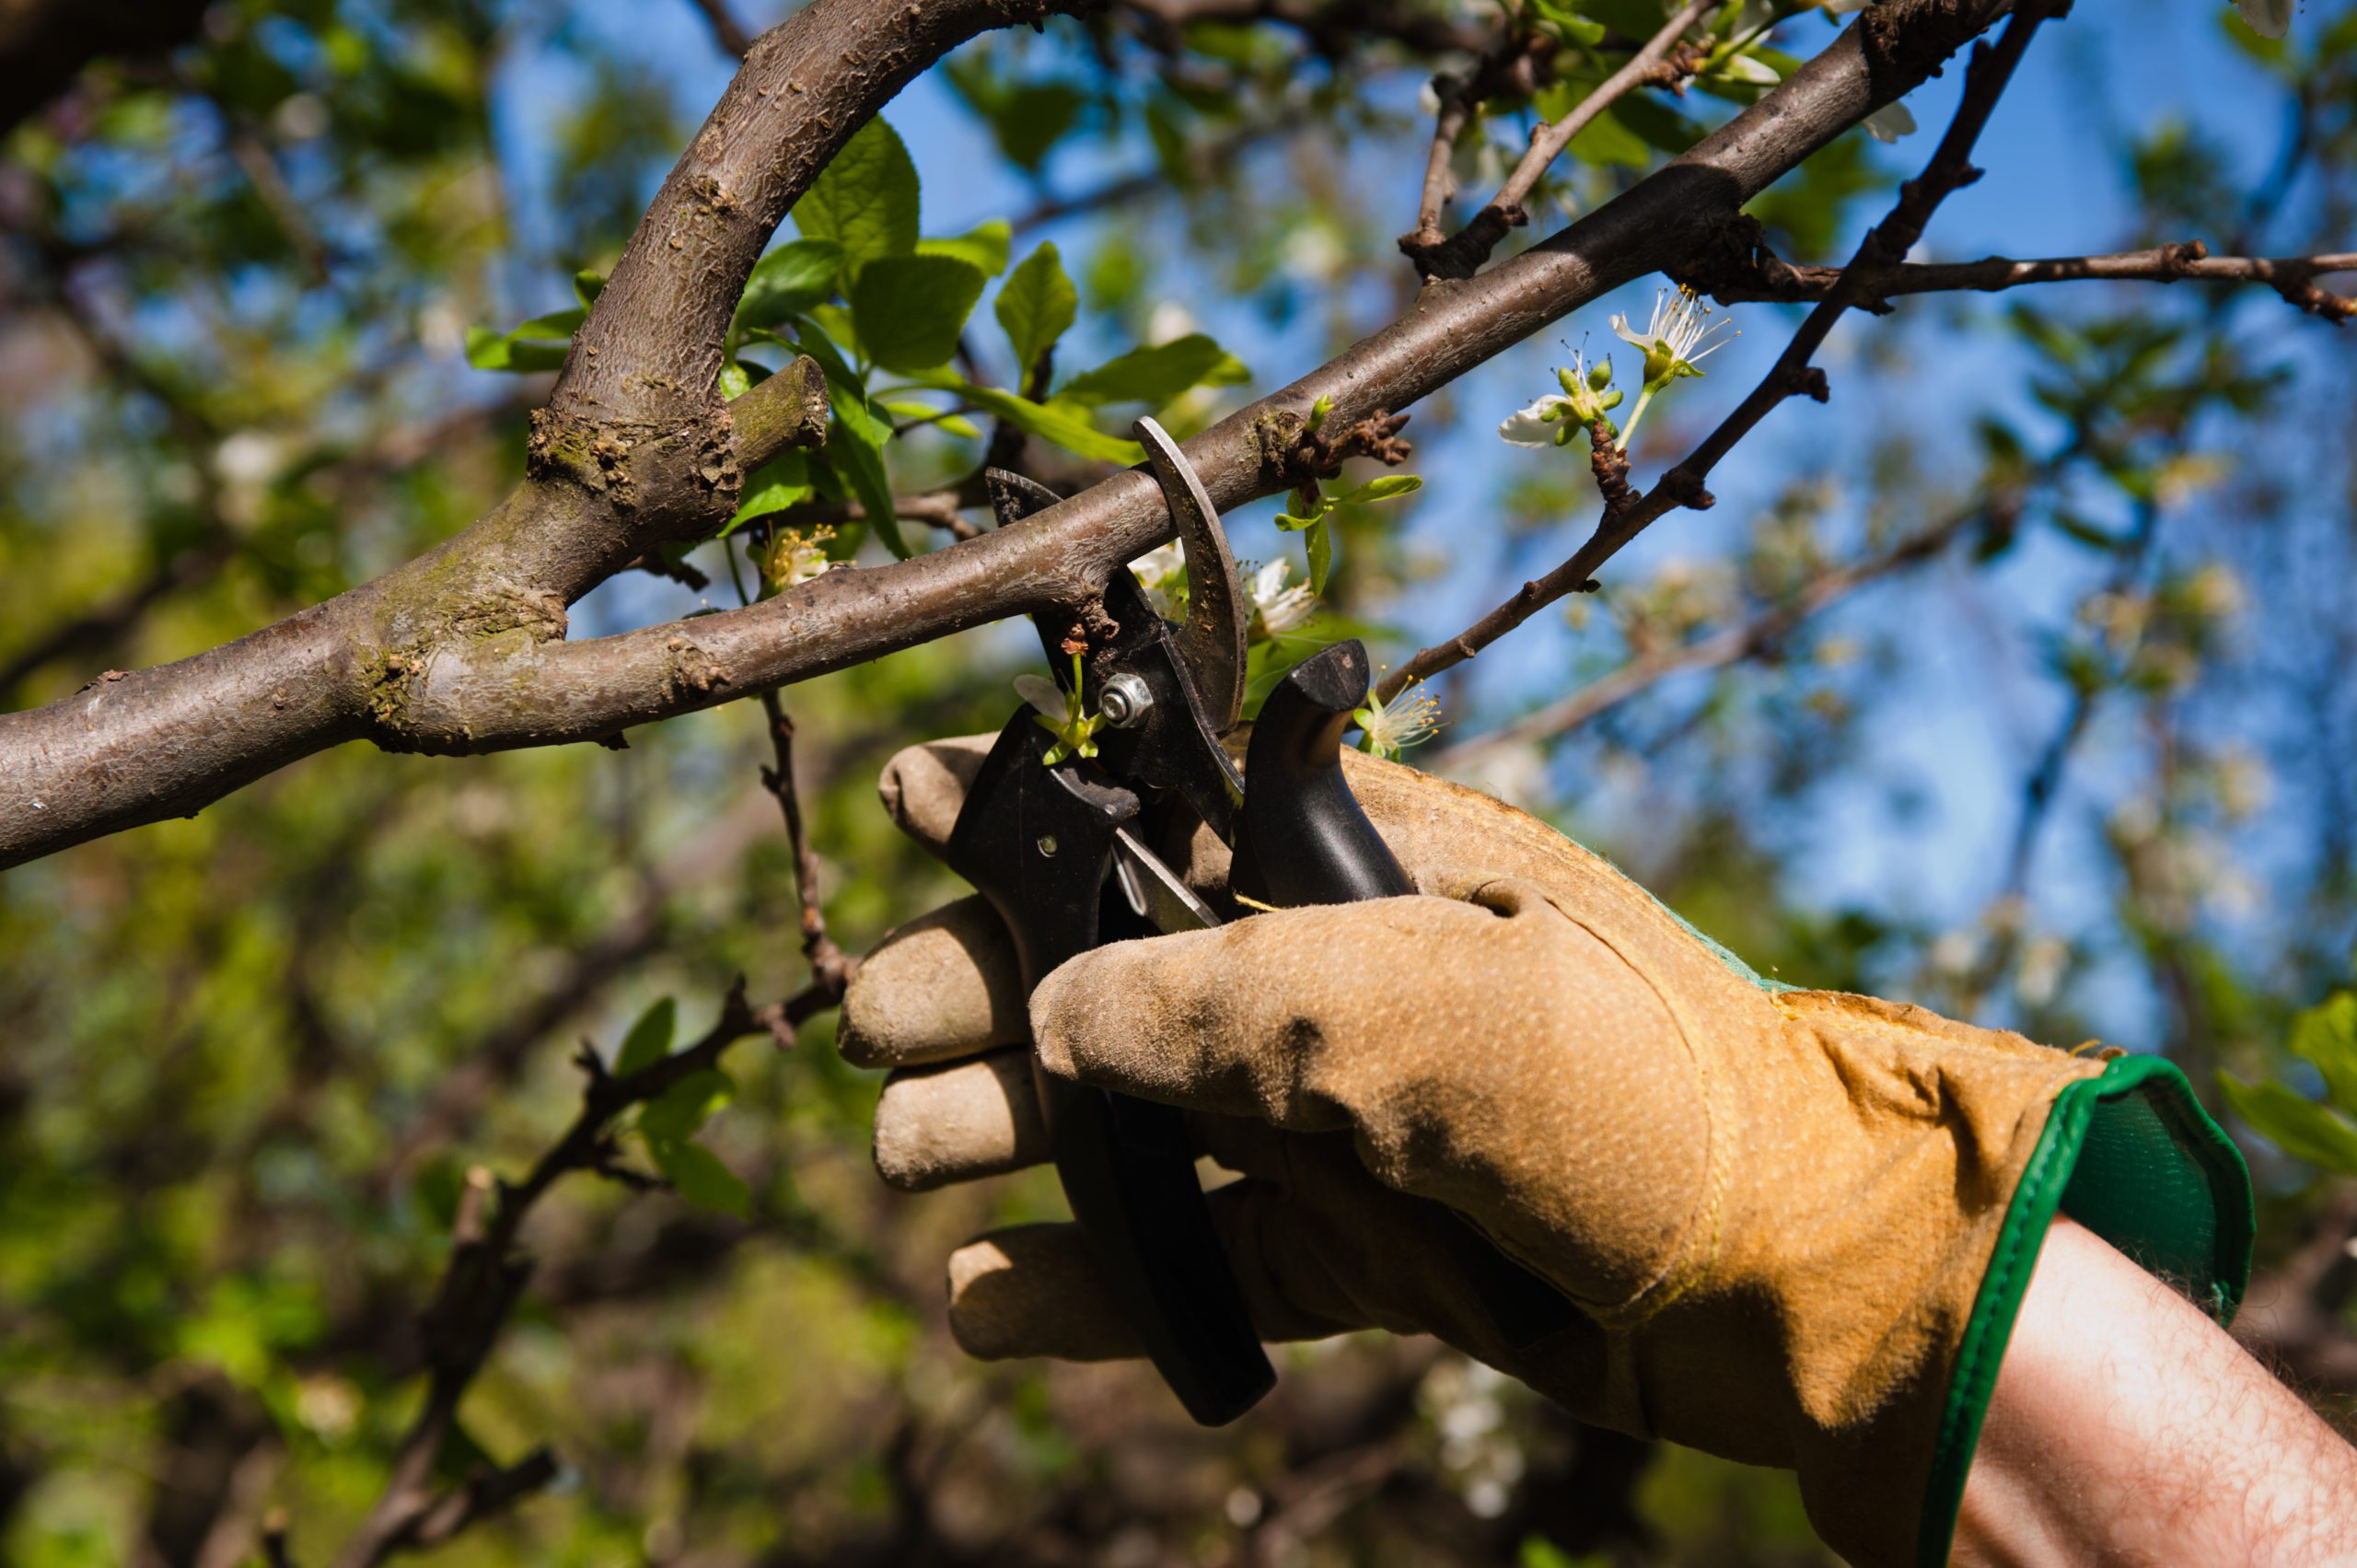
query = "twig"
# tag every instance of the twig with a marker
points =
(1462, 255)
(2187, 260)
(479, 1287)
(727, 30)
(1950, 169)
(1508, 67)
(830, 968)
(1761, 635)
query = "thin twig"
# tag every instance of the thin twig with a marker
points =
(484, 1278)
(1950, 169)
(1662, 60)
(727, 30)
(2187, 261)
(830, 968)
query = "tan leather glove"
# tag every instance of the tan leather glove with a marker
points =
(1798, 1223)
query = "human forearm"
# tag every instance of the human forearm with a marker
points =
(2127, 1427)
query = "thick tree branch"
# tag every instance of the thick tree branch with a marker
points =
(457, 652)
(1767, 278)
(1625, 516)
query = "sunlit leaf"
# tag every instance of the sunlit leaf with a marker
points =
(866, 200)
(1037, 305)
(909, 309)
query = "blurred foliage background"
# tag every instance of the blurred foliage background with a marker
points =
(2015, 682)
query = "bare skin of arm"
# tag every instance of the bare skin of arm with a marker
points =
(2128, 1428)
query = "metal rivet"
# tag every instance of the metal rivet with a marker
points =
(1125, 700)
(1047, 845)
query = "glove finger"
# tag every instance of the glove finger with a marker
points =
(959, 1121)
(1034, 1290)
(946, 985)
(924, 786)
(1321, 1250)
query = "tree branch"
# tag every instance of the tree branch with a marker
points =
(457, 652)
(480, 1288)
(727, 30)
(2293, 277)
(1626, 516)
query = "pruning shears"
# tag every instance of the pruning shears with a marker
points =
(1062, 849)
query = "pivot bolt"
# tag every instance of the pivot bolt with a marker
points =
(1125, 700)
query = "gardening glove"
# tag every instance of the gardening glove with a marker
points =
(1798, 1223)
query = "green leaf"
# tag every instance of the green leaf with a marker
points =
(676, 1113)
(539, 343)
(866, 200)
(2327, 1036)
(789, 281)
(699, 1178)
(588, 285)
(1066, 424)
(1154, 376)
(649, 1039)
(985, 246)
(783, 481)
(908, 310)
(1034, 118)
(856, 441)
(2300, 1127)
(735, 381)
(1658, 124)
(1606, 140)
(1037, 305)
(1321, 542)
(1382, 488)
(953, 424)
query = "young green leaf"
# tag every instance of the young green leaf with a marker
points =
(985, 246)
(2326, 1035)
(2300, 1127)
(908, 310)
(1321, 542)
(676, 1113)
(1037, 305)
(587, 286)
(735, 381)
(1379, 489)
(783, 481)
(788, 282)
(856, 441)
(539, 343)
(1154, 376)
(1064, 423)
(866, 200)
(649, 1039)
(699, 1178)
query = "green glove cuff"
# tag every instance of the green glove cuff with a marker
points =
(2133, 1157)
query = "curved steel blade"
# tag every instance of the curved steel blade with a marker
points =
(1217, 615)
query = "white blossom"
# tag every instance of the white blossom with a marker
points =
(1390, 728)
(1279, 608)
(1890, 121)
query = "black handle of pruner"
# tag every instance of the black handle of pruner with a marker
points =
(1039, 843)
(1303, 840)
